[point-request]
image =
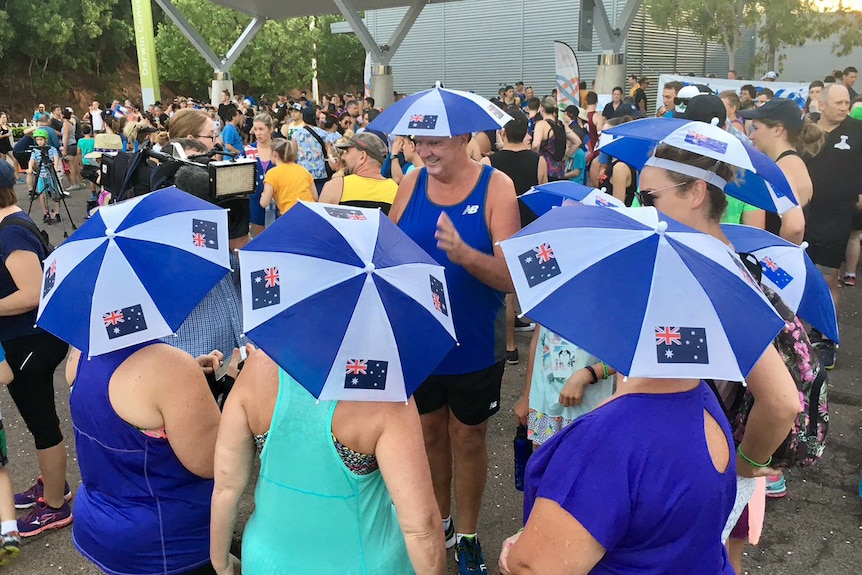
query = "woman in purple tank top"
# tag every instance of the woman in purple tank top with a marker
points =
(646, 482)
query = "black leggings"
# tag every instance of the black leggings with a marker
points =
(33, 387)
(202, 570)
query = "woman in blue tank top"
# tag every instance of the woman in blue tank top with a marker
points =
(646, 482)
(145, 428)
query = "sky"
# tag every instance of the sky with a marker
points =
(852, 4)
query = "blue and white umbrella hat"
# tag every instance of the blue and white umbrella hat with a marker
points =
(542, 198)
(789, 271)
(646, 294)
(759, 181)
(134, 271)
(346, 302)
(440, 112)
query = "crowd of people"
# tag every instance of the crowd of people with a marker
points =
(163, 471)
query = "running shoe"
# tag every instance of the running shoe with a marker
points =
(43, 518)
(826, 353)
(57, 217)
(776, 486)
(47, 219)
(850, 280)
(449, 534)
(512, 356)
(469, 556)
(521, 325)
(10, 546)
(29, 498)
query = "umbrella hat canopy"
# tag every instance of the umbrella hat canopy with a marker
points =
(543, 197)
(346, 303)
(758, 182)
(789, 271)
(134, 271)
(440, 112)
(676, 316)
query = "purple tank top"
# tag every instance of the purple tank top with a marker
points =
(138, 510)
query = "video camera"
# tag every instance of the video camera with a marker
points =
(225, 183)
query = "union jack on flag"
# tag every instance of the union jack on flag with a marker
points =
(357, 366)
(271, 277)
(113, 318)
(199, 240)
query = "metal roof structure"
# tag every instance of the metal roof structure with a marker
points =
(279, 9)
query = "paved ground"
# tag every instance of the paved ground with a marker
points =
(816, 530)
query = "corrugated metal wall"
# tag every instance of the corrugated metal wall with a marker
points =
(482, 45)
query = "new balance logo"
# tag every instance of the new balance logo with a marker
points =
(470, 210)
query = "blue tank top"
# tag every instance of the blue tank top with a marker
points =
(478, 311)
(138, 510)
(312, 514)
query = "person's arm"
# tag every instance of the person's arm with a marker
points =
(522, 406)
(395, 162)
(190, 414)
(539, 135)
(313, 187)
(543, 170)
(400, 453)
(573, 142)
(266, 195)
(793, 225)
(234, 459)
(26, 271)
(331, 192)
(503, 221)
(755, 218)
(6, 375)
(230, 147)
(402, 197)
(552, 542)
(58, 163)
(620, 179)
(776, 405)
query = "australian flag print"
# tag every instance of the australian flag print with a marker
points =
(124, 321)
(539, 264)
(50, 278)
(205, 234)
(366, 374)
(265, 288)
(423, 122)
(703, 141)
(681, 345)
(775, 273)
(438, 296)
(346, 213)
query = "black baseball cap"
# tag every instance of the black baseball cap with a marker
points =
(781, 110)
(705, 107)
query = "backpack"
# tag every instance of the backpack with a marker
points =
(41, 234)
(559, 141)
(806, 441)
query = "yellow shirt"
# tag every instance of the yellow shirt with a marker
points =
(291, 183)
(364, 192)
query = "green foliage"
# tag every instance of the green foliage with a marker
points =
(277, 59)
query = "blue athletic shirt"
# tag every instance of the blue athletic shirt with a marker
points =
(12, 239)
(478, 310)
(138, 511)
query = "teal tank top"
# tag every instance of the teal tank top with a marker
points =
(312, 514)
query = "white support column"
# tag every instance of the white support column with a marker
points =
(611, 70)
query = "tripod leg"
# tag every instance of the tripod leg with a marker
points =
(71, 221)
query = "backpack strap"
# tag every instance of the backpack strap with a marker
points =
(317, 137)
(46, 247)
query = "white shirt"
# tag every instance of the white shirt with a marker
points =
(97, 121)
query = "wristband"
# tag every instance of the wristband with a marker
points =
(593, 373)
(751, 462)
(605, 370)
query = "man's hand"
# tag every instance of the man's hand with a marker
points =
(211, 361)
(449, 240)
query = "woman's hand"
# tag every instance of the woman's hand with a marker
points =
(233, 567)
(573, 392)
(211, 361)
(522, 409)
(504, 554)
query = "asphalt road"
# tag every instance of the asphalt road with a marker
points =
(815, 530)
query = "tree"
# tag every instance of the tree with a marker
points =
(787, 23)
(277, 59)
(719, 20)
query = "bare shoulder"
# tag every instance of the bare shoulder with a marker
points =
(256, 389)
(402, 197)
(360, 424)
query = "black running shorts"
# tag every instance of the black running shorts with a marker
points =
(472, 397)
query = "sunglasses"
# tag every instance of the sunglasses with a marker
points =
(647, 197)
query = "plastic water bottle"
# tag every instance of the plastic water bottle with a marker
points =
(523, 448)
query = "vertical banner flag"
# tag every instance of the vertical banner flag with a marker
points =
(568, 75)
(366, 74)
(142, 13)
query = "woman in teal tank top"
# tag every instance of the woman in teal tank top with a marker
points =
(330, 473)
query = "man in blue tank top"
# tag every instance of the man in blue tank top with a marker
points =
(458, 210)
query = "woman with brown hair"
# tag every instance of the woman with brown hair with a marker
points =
(780, 132)
(193, 124)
